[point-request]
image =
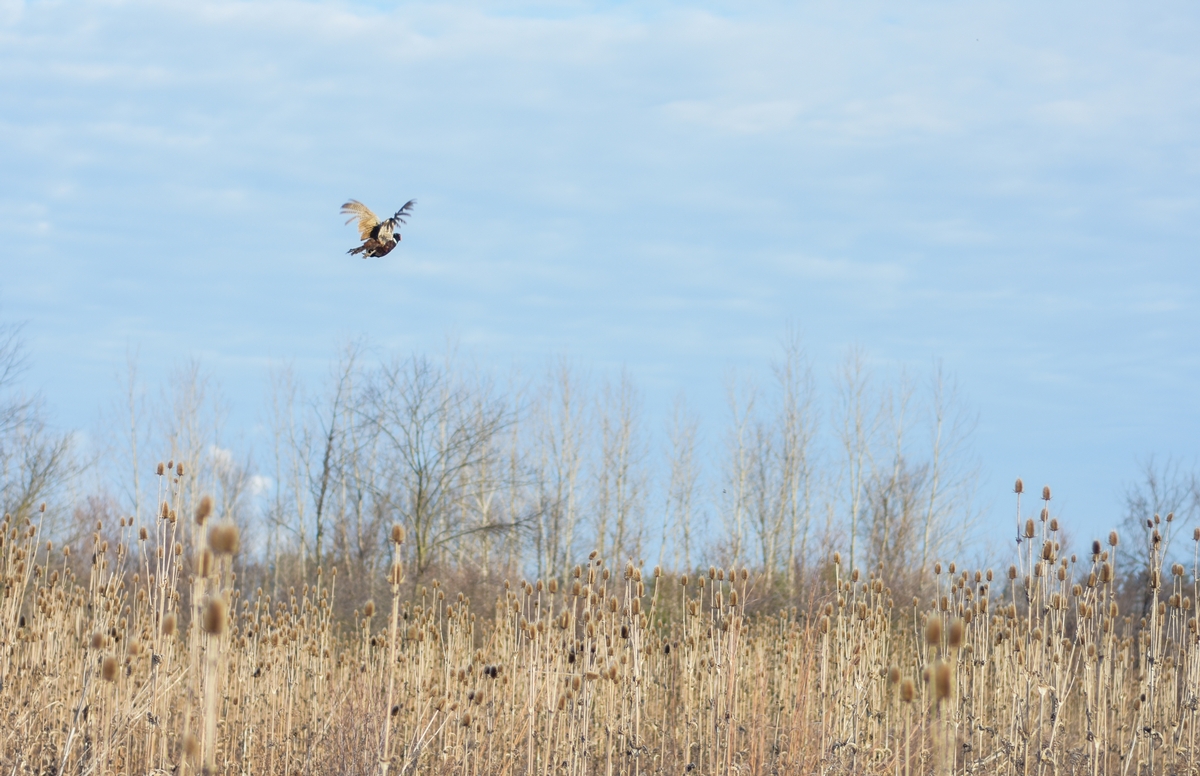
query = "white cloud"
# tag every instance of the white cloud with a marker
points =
(10, 11)
(746, 119)
(260, 484)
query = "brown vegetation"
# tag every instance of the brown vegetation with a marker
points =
(153, 660)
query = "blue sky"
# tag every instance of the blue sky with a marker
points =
(1011, 188)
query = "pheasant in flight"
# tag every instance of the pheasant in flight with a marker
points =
(379, 237)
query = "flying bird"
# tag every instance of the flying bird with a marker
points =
(379, 237)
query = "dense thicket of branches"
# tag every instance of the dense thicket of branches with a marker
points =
(530, 474)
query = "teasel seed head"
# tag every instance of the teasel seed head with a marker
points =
(1030, 530)
(214, 616)
(204, 510)
(908, 690)
(369, 609)
(933, 630)
(941, 680)
(1019, 487)
(224, 538)
(191, 745)
(956, 634)
(179, 469)
(108, 668)
(1112, 539)
(98, 640)
(159, 469)
(398, 534)
(1045, 493)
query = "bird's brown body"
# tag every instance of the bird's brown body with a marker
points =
(379, 237)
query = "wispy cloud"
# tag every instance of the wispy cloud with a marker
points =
(998, 183)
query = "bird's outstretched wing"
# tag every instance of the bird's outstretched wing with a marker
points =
(401, 217)
(367, 221)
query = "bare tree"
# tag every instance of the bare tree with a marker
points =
(434, 440)
(739, 452)
(857, 427)
(620, 476)
(797, 427)
(34, 460)
(1165, 487)
(560, 439)
(681, 492)
(953, 471)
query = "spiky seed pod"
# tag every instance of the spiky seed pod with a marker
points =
(553, 586)
(837, 559)
(1030, 529)
(108, 668)
(369, 609)
(168, 625)
(98, 640)
(179, 469)
(178, 549)
(893, 675)
(908, 690)
(956, 634)
(933, 630)
(941, 680)
(1106, 573)
(204, 510)
(397, 534)
(224, 539)
(214, 616)
(1177, 569)
(142, 534)
(937, 569)
(1112, 539)
(159, 469)
(1045, 493)
(1019, 487)
(191, 745)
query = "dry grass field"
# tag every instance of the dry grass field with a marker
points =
(149, 658)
